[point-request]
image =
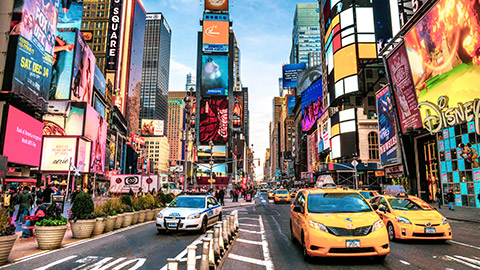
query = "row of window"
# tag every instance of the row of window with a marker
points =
(99, 14)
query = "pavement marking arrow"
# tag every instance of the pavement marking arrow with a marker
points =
(56, 263)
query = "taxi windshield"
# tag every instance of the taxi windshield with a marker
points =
(337, 203)
(282, 192)
(367, 194)
(188, 202)
(408, 204)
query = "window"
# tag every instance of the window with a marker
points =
(369, 73)
(358, 101)
(373, 145)
(371, 101)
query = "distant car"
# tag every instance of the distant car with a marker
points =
(293, 193)
(271, 194)
(368, 194)
(189, 212)
(282, 195)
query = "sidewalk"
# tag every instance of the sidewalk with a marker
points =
(467, 214)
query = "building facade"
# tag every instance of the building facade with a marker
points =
(176, 108)
(157, 150)
(305, 34)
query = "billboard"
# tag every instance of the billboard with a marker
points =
(96, 130)
(386, 127)
(216, 5)
(217, 151)
(99, 81)
(122, 183)
(323, 128)
(237, 117)
(152, 127)
(114, 34)
(23, 138)
(214, 121)
(214, 75)
(404, 89)
(83, 72)
(290, 73)
(62, 69)
(444, 53)
(306, 77)
(290, 104)
(34, 56)
(70, 14)
(217, 168)
(216, 36)
(99, 106)
(74, 123)
(312, 105)
(58, 152)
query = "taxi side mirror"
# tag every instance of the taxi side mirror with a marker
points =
(382, 208)
(298, 209)
(375, 207)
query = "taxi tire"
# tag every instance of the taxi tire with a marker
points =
(292, 238)
(203, 229)
(306, 257)
(391, 231)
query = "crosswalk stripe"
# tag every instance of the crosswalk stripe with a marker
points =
(248, 231)
(252, 225)
(249, 242)
(462, 262)
(246, 259)
(56, 262)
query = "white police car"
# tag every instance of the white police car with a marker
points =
(189, 212)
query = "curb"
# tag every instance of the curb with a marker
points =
(225, 255)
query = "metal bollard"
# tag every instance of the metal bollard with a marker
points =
(172, 264)
(211, 254)
(191, 257)
(225, 233)
(220, 237)
(204, 265)
(237, 225)
(216, 245)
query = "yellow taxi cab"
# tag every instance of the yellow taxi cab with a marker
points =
(282, 195)
(409, 217)
(368, 194)
(334, 222)
(271, 194)
(293, 193)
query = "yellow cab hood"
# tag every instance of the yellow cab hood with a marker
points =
(420, 216)
(342, 220)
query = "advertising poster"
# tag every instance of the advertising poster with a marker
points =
(237, 117)
(62, 68)
(152, 127)
(312, 105)
(291, 104)
(70, 14)
(386, 127)
(323, 126)
(113, 36)
(23, 138)
(404, 89)
(214, 75)
(99, 82)
(216, 36)
(121, 183)
(83, 72)
(216, 5)
(99, 107)
(74, 122)
(444, 53)
(214, 121)
(36, 40)
(57, 153)
(306, 77)
(218, 169)
(290, 73)
(217, 151)
(96, 130)
(83, 155)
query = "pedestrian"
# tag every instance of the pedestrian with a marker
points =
(39, 193)
(75, 193)
(47, 194)
(450, 199)
(25, 200)
(39, 214)
(221, 196)
(130, 193)
(10, 201)
(140, 193)
(236, 193)
(439, 198)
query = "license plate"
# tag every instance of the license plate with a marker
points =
(430, 230)
(172, 224)
(353, 243)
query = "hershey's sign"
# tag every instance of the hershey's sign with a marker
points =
(113, 45)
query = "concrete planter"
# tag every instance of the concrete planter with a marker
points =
(149, 215)
(50, 237)
(110, 223)
(135, 216)
(157, 210)
(119, 222)
(99, 226)
(141, 217)
(127, 219)
(6, 245)
(82, 228)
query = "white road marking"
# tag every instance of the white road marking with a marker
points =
(248, 260)
(56, 262)
(249, 242)
(256, 219)
(266, 252)
(462, 262)
(140, 263)
(404, 262)
(85, 261)
(105, 267)
(98, 265)
(252, 225)
(263, 201)
(185, 259)
(476, 262)
(183, 253)
(463, 244)
(247, 231)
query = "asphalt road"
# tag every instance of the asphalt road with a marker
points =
(249, 251)
(138, 248)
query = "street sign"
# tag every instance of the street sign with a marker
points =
(354, 163)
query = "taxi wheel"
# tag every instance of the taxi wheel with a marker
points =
(203, 229)
(306, 257)
(292, 238)
(391, 231)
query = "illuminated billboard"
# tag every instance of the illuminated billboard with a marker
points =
(306, 77)
(99, 82)
(214, 121)
(214, 75)
(121, 183)
(83, 72)
(217, 151)
(290, 73)
(291, 104)
(23, 138)
(237, 117)
(152, 127)
(96, 131)
(216, 36)
(70, 14)
(36, 33)
(60, 152)
(386, 127)
(312, 105)
(218, 169)
(62, 69)
(444, 53)
(114, 34)
(216, 5)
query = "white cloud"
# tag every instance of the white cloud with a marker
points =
(178, 73)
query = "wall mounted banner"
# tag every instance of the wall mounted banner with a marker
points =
(386, 127)
(152, 127)
(122, 183)
(114, 29)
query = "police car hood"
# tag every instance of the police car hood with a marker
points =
(180, 211)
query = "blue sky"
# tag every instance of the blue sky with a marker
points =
(264, 32)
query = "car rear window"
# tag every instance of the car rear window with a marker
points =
(337, 203)
(282, 192)
(188, 202)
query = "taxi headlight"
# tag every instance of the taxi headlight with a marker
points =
(444, 221)
(194, 216)
(403, 220)
(317, 226)
(160, 215)
(377, 225)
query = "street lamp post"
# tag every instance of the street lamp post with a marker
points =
(211, 164)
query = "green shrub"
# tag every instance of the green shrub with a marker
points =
(125, 199)
(109, 208)
(52, 222)
(119, 206)
(6, 228)
(98, 211)
(149, 201)
(160, 199)
(83, 206)
(139, 203)
(169, 198)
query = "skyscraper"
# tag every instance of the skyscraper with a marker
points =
(306, 33)
(174, 128)
(156, 68)
(191, 82)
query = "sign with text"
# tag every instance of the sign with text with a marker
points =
(57, 153)
(386, 127)
(122, 183)
(216, 36)
(114, 32)
(290, 73)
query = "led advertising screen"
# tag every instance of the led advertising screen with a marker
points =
(152, 127)
(70, 14)
(291, 104)
(312, 105)
(218, 169)
(290, 73)
(214, 121)
(216, 36)
(404, 89)
(214, 75)
(217, 151)
(23, 138)
(83, 72)
(96, 130)
(237, 117)
(99, 107)
(386, 127)
(99, 81)
(74, 122)
(216, 5)
(444, 53)
(83, 155)
(36, 40)
(306, 77)
(58, 152)
(62, 69)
